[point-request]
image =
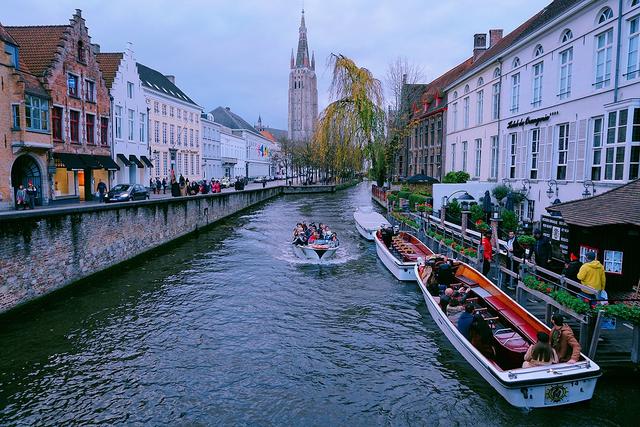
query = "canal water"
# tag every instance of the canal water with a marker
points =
(227, 328)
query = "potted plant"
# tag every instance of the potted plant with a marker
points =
(526, 241)
(500, 192)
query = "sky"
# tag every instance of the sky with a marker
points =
(236, 53)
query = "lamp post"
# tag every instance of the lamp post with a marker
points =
(586, 192)
(550, 190)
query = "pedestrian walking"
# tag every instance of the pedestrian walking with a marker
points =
(32, 195)
(591, 274)
(487, 252)
(152, 186)
(542, 249)
(158, 185)
(164, 185)
(102, 189)
(21, 197)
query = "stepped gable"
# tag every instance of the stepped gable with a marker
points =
(109, 63)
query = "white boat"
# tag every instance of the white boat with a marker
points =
(315, 252)
(514, 329)
(368, 222)
(400, 252)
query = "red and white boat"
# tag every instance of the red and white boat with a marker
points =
(399, 252)
(514, 329)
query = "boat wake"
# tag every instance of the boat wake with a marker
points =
(342, 256)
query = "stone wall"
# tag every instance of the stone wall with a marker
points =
(45, 250)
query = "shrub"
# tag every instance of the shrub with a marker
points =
(509, 220)
(579, 305)
(477, 214)
(392, 197)
(525, 240)
(404, 194)
(416, 199)
(517, 197)
(500, 192)
(458, 177)
(453, 209)
(623, 311)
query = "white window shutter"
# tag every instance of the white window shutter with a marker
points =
(571, 152)
(505, 156)
(548, 158)
(542, 154)
(521, 158)
(581, 147)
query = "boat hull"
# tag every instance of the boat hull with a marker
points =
(367, 234)
(402, 270)
(525, 389)
(314, 254)
(368, 223)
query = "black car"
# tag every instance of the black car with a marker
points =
(125, 192)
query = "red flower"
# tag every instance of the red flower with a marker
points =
(548, 290)
(585, 299)
(478, 222)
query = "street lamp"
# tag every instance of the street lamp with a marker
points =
(526, 186)
(586, 192)
(496, 214)
(550, 190)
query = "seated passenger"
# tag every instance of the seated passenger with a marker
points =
(540, 353)
(465, 320)
(456, 305)
(314, 237)
(444, 275)
(333, 240)
(445, 299)
(482, 337)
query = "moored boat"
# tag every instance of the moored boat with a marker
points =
(513, 330)
(316, 252)
(399, 252)
(368, 222)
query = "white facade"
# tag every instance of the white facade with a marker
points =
(211, 150)
(569, 120)
(129, 118)
(258, 156)
(233, 152)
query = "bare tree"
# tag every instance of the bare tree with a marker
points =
(399, 73)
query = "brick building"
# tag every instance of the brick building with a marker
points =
(63, 59)
(24, 128)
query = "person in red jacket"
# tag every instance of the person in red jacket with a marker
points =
(487, 250)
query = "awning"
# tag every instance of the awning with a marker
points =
(124, 159)
(107, 163)
(146, 161)
(135, 160)
(90, 162)
(70, 161)
(229, 160)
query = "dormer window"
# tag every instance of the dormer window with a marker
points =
(496, 73)
(81, 54)
(466, 89)
(480, 81)
(605, 15)
(455, 94)
(538, 51)
(566, 36)
(516, 62)
(12, 51)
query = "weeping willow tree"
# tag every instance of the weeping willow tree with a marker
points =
(349, 125)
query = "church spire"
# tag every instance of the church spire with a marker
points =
(293, 64)
(302, 59)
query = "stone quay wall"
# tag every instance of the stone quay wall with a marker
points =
(44, 250)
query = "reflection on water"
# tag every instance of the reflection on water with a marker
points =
(228, 327)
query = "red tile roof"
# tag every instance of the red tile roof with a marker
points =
(109, 63)
(5, 36)
(38, 45)
(268, 135)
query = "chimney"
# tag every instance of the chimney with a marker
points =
(494, 37)
(95, 47)
(227, 108)
(479, 45)
(171, 78)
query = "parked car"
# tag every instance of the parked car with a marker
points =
(260, 179)
(126, 192)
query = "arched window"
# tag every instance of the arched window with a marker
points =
(480, 81)
(466, 89)
(80, 51)
(538, 51)
(496, 73)
(455, 94)
(566, 36)
(605, 15)
(516, 62)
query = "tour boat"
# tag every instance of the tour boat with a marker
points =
(320, 251)
(514, 329)
(368, 222)
(399, 252)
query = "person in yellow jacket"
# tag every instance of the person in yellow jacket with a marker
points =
(591, 274)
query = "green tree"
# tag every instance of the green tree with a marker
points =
(459, 177)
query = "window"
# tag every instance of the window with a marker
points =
(156, 107)
(515, 92)
(190, 137)
(12, 51)
(634, 161)
(495, 101)
(56, 123)
(36, 113)
(566, 36)
(197, 138)
(197, 164)
(480, 82)
(74, 125)
(156, 132)
(537, 84)
(614, 163)
(179, 113)
(464, 155)
(143, 126)
(131, 120)
(104, 130)
(604, 47)
(494, 157)
(613, 262)
(534, 145)
(466, 89)
(538, 51)
(15, 116)
(179, 134)
(566, 64)
(164, 109)
(480, 107)
(172, 130)
(179, 161)
(478, 157)
(186, 161)
(633, 59)
(164, 133)
(605, 15)
(453, 157)
(72, 85)
(81, 51)
(90, 127)
(563, 151)
(184, 135)
(118, 117)
(454, 112)
(129, 90)
(513, 149)
(596, 143)
(516, 62)
(165, 163)
(465, 112)
(90, 91)
(496, 73)
(531, 209)
(171, 111)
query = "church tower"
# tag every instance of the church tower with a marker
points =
(303, 90)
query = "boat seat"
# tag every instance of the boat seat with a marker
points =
(525, 328)
(512, 341)
(469, 282)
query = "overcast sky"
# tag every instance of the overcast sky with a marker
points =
(236, 53)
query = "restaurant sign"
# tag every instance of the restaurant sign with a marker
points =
(530, 120)
(558, 232)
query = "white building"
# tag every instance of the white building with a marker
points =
(129, 117)
(233, 153)
(211, 151)
(569, 116)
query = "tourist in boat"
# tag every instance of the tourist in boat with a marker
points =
(465, 320)
(563, 341)
(481, 336)
(456, 305)
(540, 353)
(314, 237)
(299, 237)
(333, 240)
(487, 252)
(591, 274)
(444, 274)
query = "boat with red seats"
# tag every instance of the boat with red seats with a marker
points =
(513, 330)
(399, 252)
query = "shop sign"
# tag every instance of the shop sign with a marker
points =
(535, 121)
(558, 232)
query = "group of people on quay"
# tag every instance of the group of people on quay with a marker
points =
(183, 187)
(26, 197)
(311, 234)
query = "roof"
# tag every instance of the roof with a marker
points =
(537, 21)
(109, 64)
(620, 206)
(268, 135)
(33, 85)
(278, 134)
(38, 45)
(157, 81)
(226, 117)
(6, 37)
